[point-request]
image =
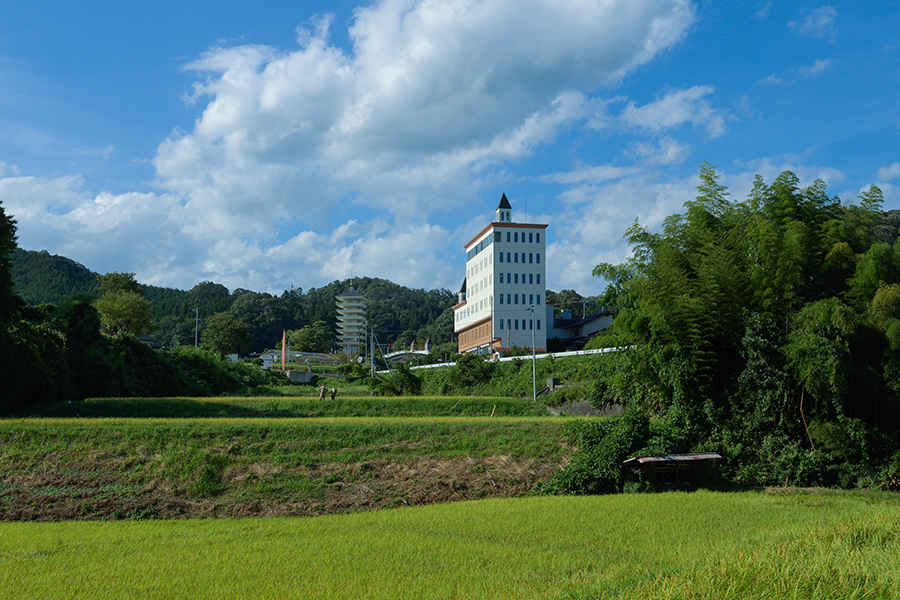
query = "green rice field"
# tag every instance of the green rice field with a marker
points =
(125, 498)
(676, 545)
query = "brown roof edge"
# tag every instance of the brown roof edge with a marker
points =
(490, 225)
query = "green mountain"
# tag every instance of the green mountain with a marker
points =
(41, 277)
(398, 314)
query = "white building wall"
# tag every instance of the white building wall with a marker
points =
(520, 276)
(507, 259)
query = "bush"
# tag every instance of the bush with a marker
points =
(596, 466)
(400, 382)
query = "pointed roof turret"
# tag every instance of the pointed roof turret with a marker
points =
(504, 210)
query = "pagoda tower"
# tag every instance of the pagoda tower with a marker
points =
(351, 316)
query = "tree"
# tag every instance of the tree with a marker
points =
(264, 314)
(124, 312)
(311, 338)
(9, 302)
(223, 334)
(118, 282)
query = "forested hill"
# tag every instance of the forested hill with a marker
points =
(41, 277)
(399, 314)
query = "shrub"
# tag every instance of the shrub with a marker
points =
(400, 382)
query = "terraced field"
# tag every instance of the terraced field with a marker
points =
(182, 457)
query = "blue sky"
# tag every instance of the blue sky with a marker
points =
(295, 143)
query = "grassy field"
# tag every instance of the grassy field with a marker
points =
(700, 545)
(311, 407)
(123, 478)
(246, 457)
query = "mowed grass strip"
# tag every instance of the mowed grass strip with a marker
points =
(275, 407)
(27, 441)
(701, 545)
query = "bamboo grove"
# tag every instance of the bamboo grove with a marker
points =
(768, 329)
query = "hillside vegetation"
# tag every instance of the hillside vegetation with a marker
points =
(399, 314)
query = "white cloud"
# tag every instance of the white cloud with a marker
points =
(312, 163)
(590, 174)
(890, 172)
(771, 80)
(676, 108)
(763, 12)
(432, 93)
(591, 229)
(817, 23)
(6, 169)
(819, 67)
(665, 151)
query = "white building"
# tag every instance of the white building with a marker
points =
(351, 316)
(502, 300)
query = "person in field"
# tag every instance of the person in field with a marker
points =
(322, 390)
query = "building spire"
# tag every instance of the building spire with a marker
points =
(504, 210)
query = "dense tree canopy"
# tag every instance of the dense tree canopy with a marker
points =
(122, 306)
(224, 334)
(762, 324)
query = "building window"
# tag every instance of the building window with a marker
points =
(507, 257)
(530, 298)
(508, 324)
(497, 233)
(517, 298)
(516, 254)
(530, 257)
(539, 278)
(501, 298)
(507, 236)
(538, 258)
(539, 324)
(517, 323)
(509, 298)
(531, 278)
(523, 258)
(538, 237)
(516, 236)
(501, 324)
(539, 298)
(517, 278)
(530, 324)
(529, 237)
(501, 257)
(501, 277)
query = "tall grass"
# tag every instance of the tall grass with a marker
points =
(342, 406)
(702, 545)
(192, 457)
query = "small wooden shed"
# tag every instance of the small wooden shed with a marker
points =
(672, 471)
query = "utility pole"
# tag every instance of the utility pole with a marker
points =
(533, 360)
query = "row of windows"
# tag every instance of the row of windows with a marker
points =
(534, 237)
(514, 299)
(474, 250)
(482, 264)
(513, 257)
(526, 324)
(514, 278)
(511, 299)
